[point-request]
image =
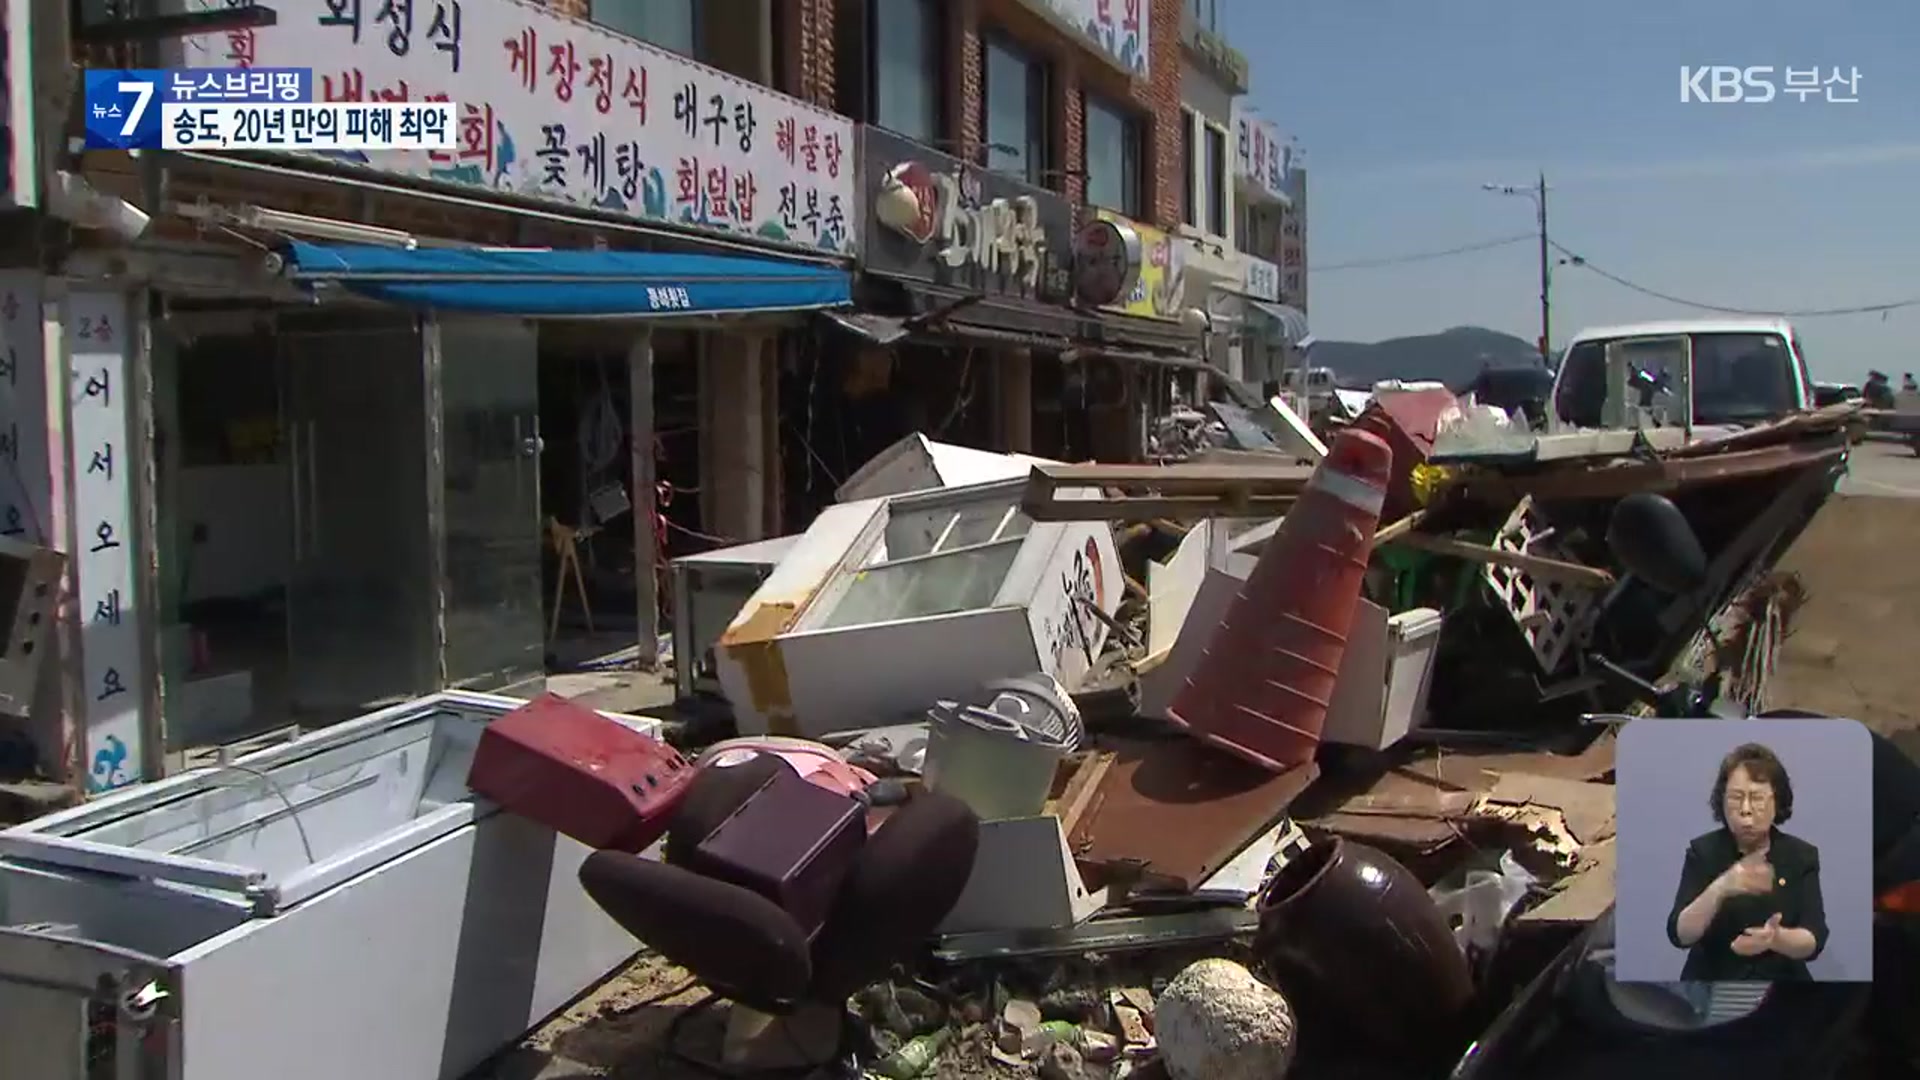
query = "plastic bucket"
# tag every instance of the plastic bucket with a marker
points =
(998, 766)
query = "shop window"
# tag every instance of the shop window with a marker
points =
(1216, 181)
(1014, 112)
(935, 557)
(228, 403)
(906, 67)
(670, 24)
(1189, 167)
(1113, 154)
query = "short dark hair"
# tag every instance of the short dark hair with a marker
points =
(1763, 765)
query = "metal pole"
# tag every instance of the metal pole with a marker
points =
(1546, 278)
(646, 538)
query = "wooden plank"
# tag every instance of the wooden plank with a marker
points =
(1399, 528)
(1178, 479)
(1582, 897)
(1143, 507)
(1537, 565)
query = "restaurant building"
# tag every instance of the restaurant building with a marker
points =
(316, 430)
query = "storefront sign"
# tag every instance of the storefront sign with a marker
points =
(1118, 28)
(1000, 236)
(97, 335)
(1160, 290)
(1261, 280)
(1211, 51)
(564, 110)
(26, 487)
(1261, 159)
(935, 218)
(1106, 262)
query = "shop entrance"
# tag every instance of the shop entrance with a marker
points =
(587, 478)
(349, 514)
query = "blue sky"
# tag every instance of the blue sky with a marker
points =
(1404, 108)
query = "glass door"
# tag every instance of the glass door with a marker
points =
(490, 409)
(360, 628)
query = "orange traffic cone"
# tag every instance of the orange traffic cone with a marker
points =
(1260, 690)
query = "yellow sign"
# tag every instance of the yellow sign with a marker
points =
(1161, 291)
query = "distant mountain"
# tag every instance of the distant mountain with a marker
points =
(1452, 356)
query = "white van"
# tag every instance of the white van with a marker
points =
(1720, 372)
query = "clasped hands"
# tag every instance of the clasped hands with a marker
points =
(1753, 875)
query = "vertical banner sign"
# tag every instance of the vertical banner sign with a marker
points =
(97, 337)
(26, 488)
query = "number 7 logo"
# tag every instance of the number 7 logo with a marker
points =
(142, 97)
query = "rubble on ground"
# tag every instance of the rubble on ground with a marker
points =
(1112, 918)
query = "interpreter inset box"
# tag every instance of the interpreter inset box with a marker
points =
(1745, 851)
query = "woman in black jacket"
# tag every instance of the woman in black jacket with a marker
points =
(1749, 906)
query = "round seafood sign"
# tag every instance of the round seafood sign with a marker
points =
(1106, 262)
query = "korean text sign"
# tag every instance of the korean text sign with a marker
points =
(563, 110)
(1119, 27)
(26, 487)
(1161, 289)
(1260, 157)
(97, 333)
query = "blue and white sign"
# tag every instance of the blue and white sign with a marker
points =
(97, 331)
(126, 109)
(367, 126)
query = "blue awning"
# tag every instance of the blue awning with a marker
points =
(576, 284)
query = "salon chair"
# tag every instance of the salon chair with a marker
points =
(746, 949)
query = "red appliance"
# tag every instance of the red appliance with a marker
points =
(792, 841)
(1409, 421)
(1260, 690)
(581, 774)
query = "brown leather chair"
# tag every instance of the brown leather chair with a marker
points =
(905, 880)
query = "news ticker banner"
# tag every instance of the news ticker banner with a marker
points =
(251, 109)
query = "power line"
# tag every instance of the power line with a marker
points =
(1423, 256)
(1862, 309)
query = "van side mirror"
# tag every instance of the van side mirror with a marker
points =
(1654, 541)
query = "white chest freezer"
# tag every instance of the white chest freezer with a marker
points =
(336, 906)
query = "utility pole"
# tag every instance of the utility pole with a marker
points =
(1538, 193)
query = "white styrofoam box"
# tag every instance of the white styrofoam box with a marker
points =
(1024, 878)
(1202, 617)
(1384, 676)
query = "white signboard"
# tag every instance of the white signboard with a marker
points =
(564, 110)
(1261, 279)
(26, 488)
(97, 330)
(1120, 27)
(1261, 159)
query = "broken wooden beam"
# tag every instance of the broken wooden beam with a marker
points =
(1146, 492)
(1538, 565)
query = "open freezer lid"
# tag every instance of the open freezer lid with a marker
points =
(272, 828)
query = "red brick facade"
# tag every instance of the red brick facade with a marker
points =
(804, 35)
(1075, 70)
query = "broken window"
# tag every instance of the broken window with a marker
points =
(932, 560)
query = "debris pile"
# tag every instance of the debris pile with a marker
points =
(1287, 758)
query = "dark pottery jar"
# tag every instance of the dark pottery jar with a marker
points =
(1354, 941)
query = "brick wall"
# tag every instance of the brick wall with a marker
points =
(808, 36)
(803, 32)
(1160, 94)
(1157, 96)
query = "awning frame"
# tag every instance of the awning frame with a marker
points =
(567, 284)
